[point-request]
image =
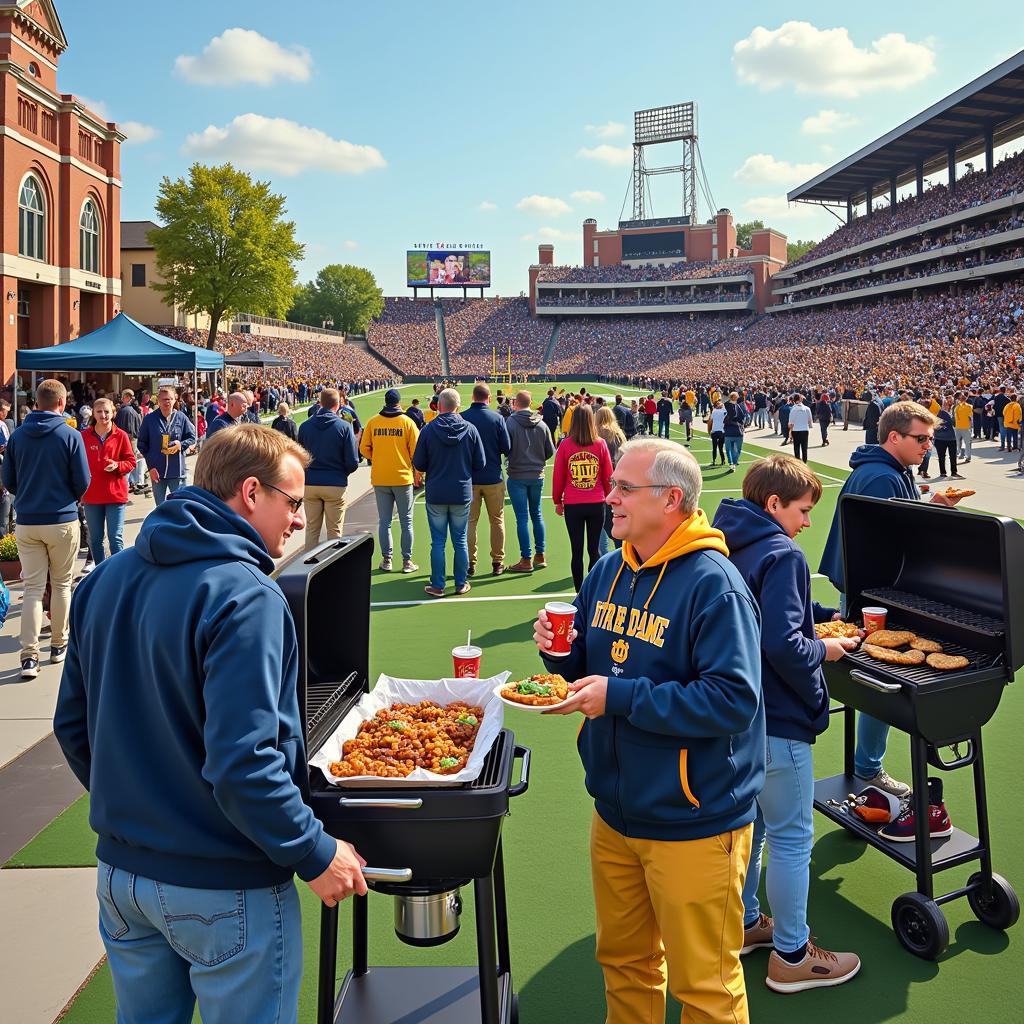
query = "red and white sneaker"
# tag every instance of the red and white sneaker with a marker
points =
(902, 830)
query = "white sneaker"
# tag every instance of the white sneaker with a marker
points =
(88, 567)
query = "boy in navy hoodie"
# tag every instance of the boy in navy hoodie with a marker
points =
(778, 495)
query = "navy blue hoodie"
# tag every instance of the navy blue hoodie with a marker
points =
(194, 757)
(332, 443)
(493, 432)
(449, 451)
(877, 474)
(775, 568)
(45, 465)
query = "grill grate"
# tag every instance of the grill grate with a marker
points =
(922, 675)
(323, 698)
(947, 614)
(491, 772)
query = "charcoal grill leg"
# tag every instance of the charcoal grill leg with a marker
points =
(849, 738)
(501, 913)
(360, 933)
(483, 893)
(981, 805)
(922, 836)
(328, 976)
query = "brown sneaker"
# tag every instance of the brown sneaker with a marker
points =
(818, 969)
(523, 565)
(539, 561)
(498, 568)
(759, 935)
(464, 589)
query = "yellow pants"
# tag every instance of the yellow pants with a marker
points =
(679, 903)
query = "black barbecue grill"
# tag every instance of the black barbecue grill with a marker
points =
(954, 577)
(423, 842)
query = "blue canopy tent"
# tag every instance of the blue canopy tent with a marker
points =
(121, 346)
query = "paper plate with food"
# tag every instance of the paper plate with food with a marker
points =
(541, 692)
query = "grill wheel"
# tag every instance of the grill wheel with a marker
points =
(998, 910)
(920, 925)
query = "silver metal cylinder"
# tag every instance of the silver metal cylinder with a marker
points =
(428, 920)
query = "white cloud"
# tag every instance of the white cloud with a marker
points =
(827, 122)
(545, 206)
(608, 130)
(773, 209)
(616, 156)
(350, 244)
(240, 55)
(282, 146)
(98, 107)
(763, 167)
(588, 196)
(487, 207)
(137, 133)
(827, 61)
(548, 234)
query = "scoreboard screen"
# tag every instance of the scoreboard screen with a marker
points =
(654, 245)
(448, 268)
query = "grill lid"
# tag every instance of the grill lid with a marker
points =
(949, 574)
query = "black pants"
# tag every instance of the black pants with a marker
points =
(608, 525)
(649, 422)
(800, 444)
(689, 429)
(824, 432)
(718, 445)
(580, 517)
(784, 430)
(976, 424)
(942, 448)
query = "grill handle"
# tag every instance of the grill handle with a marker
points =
(387, 874)
(873, 683)
(959, 760)
(524, 776)
(396, 803)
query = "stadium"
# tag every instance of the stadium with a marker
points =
(917, 295)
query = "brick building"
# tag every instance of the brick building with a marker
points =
(59, 172)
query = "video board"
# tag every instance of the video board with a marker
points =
(448, 268)
(654, 245)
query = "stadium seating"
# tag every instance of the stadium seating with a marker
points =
(476, 326)
(406, 335)
(616, 274)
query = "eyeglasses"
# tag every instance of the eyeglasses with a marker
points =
(919, 438)
(296, 503)
(627, 489)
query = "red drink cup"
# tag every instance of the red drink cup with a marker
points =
(467, 661)
(874, 618)
(561, 617)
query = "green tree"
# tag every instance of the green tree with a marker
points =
(745, 231)
(794, 250)
(225, 246)
(345, 295)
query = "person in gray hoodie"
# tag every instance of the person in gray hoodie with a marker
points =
(530, 448)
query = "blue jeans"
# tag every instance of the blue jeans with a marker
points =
(442, 520)
(387, 499)
(239, 952)
(525, 496)
(785, 818)
(109, 517)
(1002, 432)
(161, 488)
(135, 476)
(733, 447)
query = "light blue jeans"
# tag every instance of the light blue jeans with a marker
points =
(442, 520)
(525, 496)
(161, 488)
(733, 447)
(239, 952)
(108, 517)
(785, 818)
(387, 499)
(135, 476)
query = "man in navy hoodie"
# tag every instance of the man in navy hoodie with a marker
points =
(883, 470)
(760, 529)
(194, 760)
(45, 466)
(165, 438)
(488, 483)
(667, 668)
(331, 442)
(449, 451)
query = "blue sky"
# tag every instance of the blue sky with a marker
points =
(391, 123)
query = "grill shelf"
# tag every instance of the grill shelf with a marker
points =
(946, 614)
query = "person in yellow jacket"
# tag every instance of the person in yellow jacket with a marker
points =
(1011, 421)
(430, 413)
(388, 442)
(963, 421)
(567, 419)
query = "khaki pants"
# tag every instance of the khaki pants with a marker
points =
(319, 504)
(674, 902)
(46, 551)
(493, 496)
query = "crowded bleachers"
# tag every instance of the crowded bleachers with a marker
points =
(618, 274)
(474, 326)
(642, 297)
(406, 335)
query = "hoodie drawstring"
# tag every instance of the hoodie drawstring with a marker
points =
(657, 583)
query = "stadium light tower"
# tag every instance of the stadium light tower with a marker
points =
(676, 123)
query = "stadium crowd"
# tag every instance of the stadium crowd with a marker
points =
(475, 327)
(406, 335)
(646, 297)
(617, 273)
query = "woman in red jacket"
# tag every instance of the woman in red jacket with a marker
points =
(111, 458)
(583, 472)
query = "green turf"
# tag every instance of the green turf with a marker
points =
(551, 913)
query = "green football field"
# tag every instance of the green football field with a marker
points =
(550, 909)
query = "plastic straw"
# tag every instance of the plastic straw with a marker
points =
(469, 637)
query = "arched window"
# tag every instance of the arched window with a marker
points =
(31, 220)
(89, 237)
(33, 69)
